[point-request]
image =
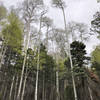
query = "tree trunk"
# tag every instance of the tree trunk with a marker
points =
(12, 84)
(5, 90)
(1, 52)
(23, 91)
(57, 80)
(24, 62)
(51, 86)
(69, 54)
(36, 87)
(15, 95)
(47, 38)
(57, 85)
(90, 92)
(38, 62)
(2, 56)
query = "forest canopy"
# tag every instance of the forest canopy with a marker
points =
(40, 61)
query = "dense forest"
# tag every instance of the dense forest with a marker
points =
(39, 61)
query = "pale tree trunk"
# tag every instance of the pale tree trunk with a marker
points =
(51, 90)
(57, 85)
(36, 87)
(24, 85)
(2, 56)
(69, 54)
(38, 63)
(47, 37)
(57, 80)
(15, 95)
(90, 92)
(2, 48)
(24, 62)
(12, 84)
(22, 97)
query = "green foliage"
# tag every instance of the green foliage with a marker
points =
(12, 32)
(79, 58)
(47, 65)
(96, 68)
(13, 59)
(31, 61)
(67, 63)
(46, 61)
(69, 94)
(61, 68)
(78, 53)
(96, 60)
(96, 55)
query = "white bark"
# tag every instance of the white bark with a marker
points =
(47, 38)
(37, 74)
(90, 92)
(38, 64)
(38, 61)
(57, 85)
(12, 84)
(2, 48)
(69, 54)
(22, 97)
(15, 95)
(24, 62)
(2, 56)
(57, 79)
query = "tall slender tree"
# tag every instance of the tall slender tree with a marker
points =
(61, 4)
(29, 10)
(38, 60)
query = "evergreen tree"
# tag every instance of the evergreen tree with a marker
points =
(79, 57)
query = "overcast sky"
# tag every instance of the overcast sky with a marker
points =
(76, 10)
